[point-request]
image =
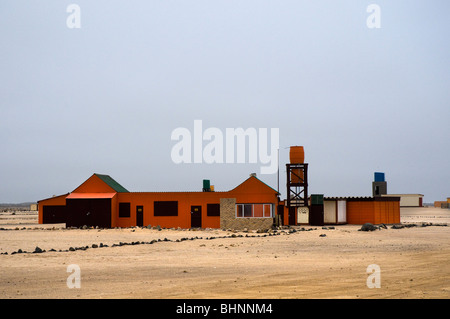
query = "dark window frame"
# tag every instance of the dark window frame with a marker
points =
(213, 210)
(124, 210)
(165, 208)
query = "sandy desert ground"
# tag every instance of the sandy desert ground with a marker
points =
(206, 264)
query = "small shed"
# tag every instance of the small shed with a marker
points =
(52, 210)
(374, 210)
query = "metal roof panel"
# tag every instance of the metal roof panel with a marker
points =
(90, 195)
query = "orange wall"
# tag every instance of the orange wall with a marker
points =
(286, 215)
(360, 212)
(94, 184)
(185, 201)
(115, 210)
(386, 212)
(375, 212)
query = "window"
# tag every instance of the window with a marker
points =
(213, 210)
(254, 210)
(124, 209)
(377, 190)
(165, 208)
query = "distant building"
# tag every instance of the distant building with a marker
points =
(443, 203)
(34, 207)
(439, 203)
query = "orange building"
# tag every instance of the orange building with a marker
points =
(101, 201)
(439, 203)
(374, 210)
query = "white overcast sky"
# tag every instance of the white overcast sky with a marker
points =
(104, 98)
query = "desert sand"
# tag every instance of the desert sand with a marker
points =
(212, 263)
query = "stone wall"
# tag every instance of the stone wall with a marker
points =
(228, 218)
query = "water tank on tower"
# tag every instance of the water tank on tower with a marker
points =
(379, 185)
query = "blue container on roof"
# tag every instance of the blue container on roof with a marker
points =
(379, 177)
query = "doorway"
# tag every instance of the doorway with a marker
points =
(316, 217)
(292, 211)
(196, 216)
(140, 216)
(89, 212)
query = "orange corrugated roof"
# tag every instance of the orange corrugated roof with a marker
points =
(90, 195)
(54, 196)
